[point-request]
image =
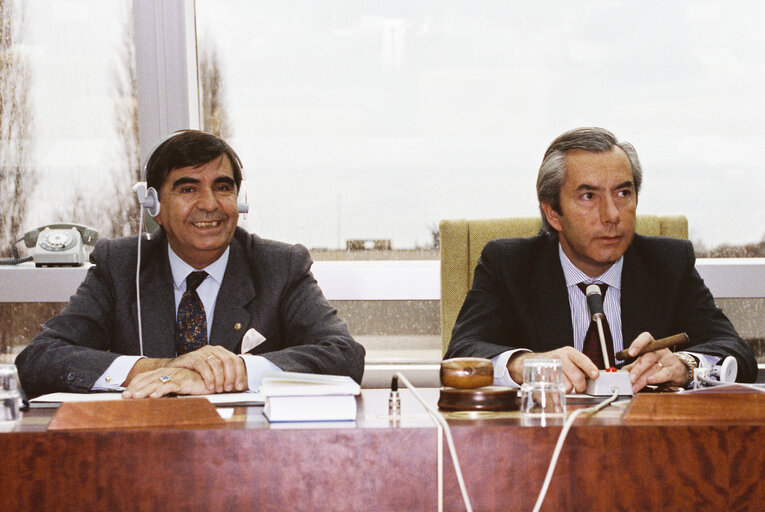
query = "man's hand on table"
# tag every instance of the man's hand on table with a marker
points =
(659, 367)
(164, 381)
(218, 370)
(575, 365)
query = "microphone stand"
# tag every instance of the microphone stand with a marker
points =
(598, 317)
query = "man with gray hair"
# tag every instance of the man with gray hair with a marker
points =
(528, 300)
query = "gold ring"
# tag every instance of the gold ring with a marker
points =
(164, 379)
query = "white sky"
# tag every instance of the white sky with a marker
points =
(371, 119)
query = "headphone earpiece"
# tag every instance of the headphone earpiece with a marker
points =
(243, 206)
(147, 197)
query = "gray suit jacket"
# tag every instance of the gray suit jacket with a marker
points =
(267, 286)
(519, 300)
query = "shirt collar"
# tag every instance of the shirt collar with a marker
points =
(612, 277)
(180, 269)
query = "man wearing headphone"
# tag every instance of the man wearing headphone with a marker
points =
(213, 307)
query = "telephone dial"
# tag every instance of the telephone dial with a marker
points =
(59, 244)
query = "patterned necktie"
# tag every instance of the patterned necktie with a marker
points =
(591, 346)
(191, 324)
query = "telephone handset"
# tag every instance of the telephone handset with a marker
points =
(60, 244)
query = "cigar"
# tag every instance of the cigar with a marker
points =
(655, 345)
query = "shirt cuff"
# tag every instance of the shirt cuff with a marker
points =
(256, 367)
(705, 360)
(501, 375)
(116, 374)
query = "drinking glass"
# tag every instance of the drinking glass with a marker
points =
(542, 393)
(10, 396)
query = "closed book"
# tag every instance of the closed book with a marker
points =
(294, 383)
(291, 396)
(310, 408)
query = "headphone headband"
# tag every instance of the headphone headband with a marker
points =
(172, 135)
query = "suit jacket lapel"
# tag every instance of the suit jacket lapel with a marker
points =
(157, 301)
(637, 291)
(550, 307)
(232, 319)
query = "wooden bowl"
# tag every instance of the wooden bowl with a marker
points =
(467, 372)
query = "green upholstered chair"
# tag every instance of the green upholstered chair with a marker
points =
(463, 240)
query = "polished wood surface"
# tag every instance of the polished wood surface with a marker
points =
(192, 412)
(726, 407)
(487, 398)
(379, 463)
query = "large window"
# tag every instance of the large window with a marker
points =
(74, 70)
(68, 134)
(363, 123)
(366, 120)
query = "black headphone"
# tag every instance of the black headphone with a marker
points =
(148, 197)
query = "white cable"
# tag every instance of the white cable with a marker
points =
(559, 445)
(137, 281)
(440, 468)
(710, 382)
(449, 441)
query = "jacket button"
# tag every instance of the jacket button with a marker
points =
(70, 376)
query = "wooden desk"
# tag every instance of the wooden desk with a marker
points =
(375, 464)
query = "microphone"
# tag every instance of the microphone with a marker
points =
(595, 301)
(595, 305)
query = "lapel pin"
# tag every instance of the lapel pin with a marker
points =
(237, 326)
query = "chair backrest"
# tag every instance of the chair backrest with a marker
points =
(463, 240)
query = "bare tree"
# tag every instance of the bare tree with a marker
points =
(117, 212)
(114, 211)
(214, 115)
(16, 171)
(123, 214)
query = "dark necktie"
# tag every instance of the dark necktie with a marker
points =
(591, 346)
(191, 324)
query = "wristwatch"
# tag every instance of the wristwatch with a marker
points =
(690, 362)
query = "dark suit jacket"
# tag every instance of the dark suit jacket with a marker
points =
(519, 300)
(267, 286)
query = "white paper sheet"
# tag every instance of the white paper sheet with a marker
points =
(248, 398)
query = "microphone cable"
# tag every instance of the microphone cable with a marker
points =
(561, 439)
(443, 427)
(710, 382)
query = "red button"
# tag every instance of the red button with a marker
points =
(611, 369)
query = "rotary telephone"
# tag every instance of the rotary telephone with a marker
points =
(60, 244)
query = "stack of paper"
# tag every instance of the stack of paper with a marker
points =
(293, 396)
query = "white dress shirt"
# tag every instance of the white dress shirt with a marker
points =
(115, 375)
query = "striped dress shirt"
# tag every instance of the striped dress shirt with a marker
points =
(580, 314)
(581, 318)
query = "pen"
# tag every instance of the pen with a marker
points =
(655, 345)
